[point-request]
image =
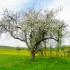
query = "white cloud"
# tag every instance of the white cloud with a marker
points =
(12, 4)
(65, 4)
(9, 3)
(4, 40)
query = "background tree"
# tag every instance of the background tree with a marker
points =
(18, 49)
(59, 36)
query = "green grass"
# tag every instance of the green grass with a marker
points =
(10, 60)
(14, 51)
(14, 62)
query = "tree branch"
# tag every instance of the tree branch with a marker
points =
(12, 34)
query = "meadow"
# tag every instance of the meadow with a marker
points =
(12, 59)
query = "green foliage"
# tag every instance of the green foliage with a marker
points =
(18, 48)
(64, 47)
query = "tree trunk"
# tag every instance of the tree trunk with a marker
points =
(57, 48)
(32, 56)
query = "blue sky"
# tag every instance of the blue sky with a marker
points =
(25, 4)
(17, 5)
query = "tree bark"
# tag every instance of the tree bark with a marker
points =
(32, 56)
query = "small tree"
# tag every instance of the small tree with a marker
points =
(18, 49)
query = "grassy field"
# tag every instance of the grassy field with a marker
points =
(11, 59)
(14, 51)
